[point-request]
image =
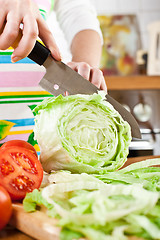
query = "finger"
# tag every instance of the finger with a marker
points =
(72, 65)
(66, 93)
(47, 38)
(84, 70)
(2, 20)
(28, 39)
(10, 31)
(103, 85)
(97, 79)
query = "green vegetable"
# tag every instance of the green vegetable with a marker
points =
(88, 207)
(81, 133)
(84, 134)
(143, 172)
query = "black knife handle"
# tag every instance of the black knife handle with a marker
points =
(39, 53)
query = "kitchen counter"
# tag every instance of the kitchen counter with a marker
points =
(10, 233)
(136, 82)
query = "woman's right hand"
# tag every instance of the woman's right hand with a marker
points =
(15, 12)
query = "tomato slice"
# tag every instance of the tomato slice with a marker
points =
(20, 171)
(19, 143)
(5, 207)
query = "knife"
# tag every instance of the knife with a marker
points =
(60, 78)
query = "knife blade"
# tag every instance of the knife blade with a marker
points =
(60, 78)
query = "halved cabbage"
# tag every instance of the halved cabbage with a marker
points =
(81, 133)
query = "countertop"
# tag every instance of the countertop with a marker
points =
(135, 82)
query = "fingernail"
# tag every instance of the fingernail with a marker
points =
(15, 59)
(57, 55)
(60, 56)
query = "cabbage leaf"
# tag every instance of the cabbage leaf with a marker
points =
(86, 206)
(146, 172)
(81, 133)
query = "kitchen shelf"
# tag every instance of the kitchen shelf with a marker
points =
(136, 82)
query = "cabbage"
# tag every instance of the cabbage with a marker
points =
(81, 133)
(145, 172)
(88, 207)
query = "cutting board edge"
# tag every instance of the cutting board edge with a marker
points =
(45, 227)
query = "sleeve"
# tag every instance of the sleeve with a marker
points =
(76, 15)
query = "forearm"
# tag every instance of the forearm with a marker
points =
(86, 47)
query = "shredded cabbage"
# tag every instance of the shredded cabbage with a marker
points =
(81, 133)
(144, 172)
(87, 207)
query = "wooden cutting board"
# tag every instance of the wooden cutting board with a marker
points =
(38, 225)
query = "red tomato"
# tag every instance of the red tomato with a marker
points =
(5, 207)
(20, 171)
(19, 143)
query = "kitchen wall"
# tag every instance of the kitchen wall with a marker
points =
(147, 11)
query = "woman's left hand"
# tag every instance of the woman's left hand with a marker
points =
(92, 74)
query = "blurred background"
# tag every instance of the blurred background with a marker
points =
(130, 30)
(146, 11)
(131, 64)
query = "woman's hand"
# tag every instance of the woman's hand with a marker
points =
(15, 12)
(94, 75)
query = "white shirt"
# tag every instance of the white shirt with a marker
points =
(76, 15)
(67, 18)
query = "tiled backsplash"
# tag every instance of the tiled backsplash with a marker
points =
(147, 11)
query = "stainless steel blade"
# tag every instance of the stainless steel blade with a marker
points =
(127, 116)
(60, 78)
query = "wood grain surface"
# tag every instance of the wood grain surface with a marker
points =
(137, 82)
